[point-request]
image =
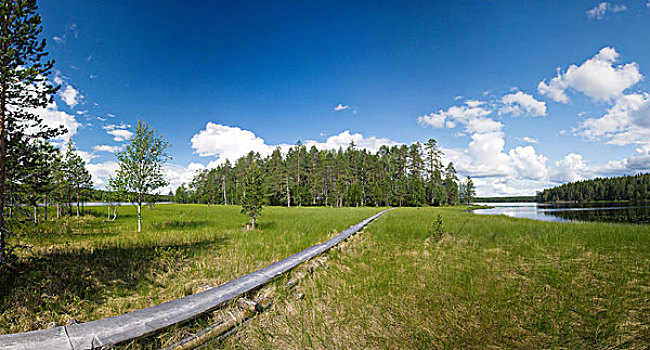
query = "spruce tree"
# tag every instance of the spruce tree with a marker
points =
(253, 192)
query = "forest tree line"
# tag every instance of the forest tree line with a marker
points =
(393, 176)
(632, 188)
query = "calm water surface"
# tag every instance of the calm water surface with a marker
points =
(606, 212)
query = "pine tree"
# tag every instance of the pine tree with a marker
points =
(78, 176)
(469, 191)
(450, 185)
(23, 88)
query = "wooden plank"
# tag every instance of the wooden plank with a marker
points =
(117, 329)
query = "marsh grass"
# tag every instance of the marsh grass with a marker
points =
(478, 282)
(89, 267)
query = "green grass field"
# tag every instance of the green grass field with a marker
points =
(88, 268)
(406, 282)
(488, 282)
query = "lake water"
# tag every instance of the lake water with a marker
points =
(101, 204)
(606, 212)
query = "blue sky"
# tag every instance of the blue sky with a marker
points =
(521, 95)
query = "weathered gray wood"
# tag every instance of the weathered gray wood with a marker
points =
(117, 329)
(54, 338)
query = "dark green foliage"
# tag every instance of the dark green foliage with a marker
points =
(394, 176)
(468, 191)
(24, 87)
(253, 193)
(632, 188)
(77, 177)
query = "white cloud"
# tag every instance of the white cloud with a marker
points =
(341, 107)
(572, 167)
(436, 120)
(472, 114)
(107, 148)
(603, 8)
(53, 118)
(372, 143)
(178, 174)
(119, 132)
(231, 143)
(597, 78)
(486, 155)
(101, 171)
(87, 157)
(626, 122)
(529, 139)
(227, 142)
(71, 96)
(528, 164)
(521, 103)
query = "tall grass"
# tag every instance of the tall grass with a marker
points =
(486, 282)
(90, 267)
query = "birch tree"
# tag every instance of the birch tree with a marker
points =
(141, 163)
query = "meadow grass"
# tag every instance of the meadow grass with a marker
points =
(475, 282)
(89, 267)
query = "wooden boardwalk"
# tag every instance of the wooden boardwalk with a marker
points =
(113, 330)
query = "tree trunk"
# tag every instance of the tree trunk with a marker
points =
(114, 213)
(253, 222)
(45, 203)
(288, 193)
(223, 187)
(77, 202)
(35, 214)
(139, 213)
(108, 212)
(3, 150)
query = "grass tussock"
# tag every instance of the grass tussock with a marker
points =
(471, 281)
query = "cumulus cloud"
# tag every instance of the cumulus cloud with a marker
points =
(107, 148)
(227, 142)
(230, 143)
(101, 171)
(472, 114)
(572, 167)
(54, 118)
(528, 164)
(178, 174)
(371, 143)
(597, 78)
(497, 171)
(626, 122)
(521, 103)
(71, 96)
(603, 8)
(119, 132)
